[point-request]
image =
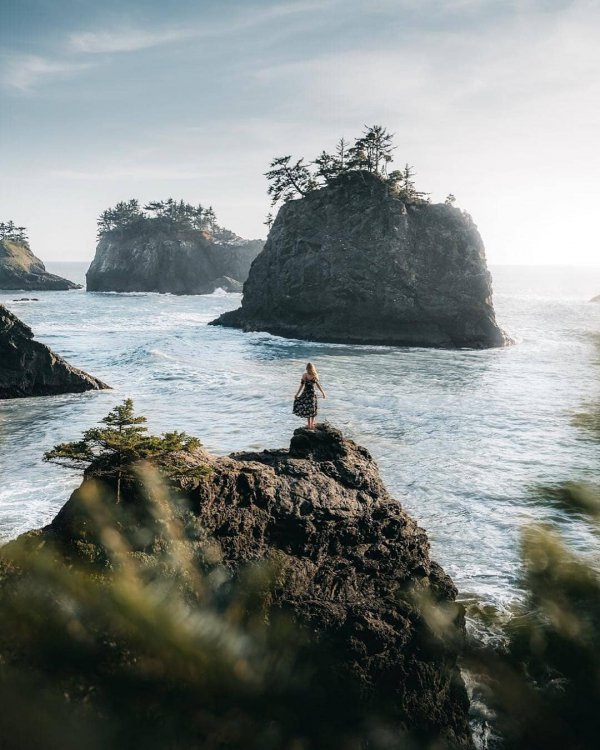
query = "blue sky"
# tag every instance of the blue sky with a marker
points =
(497, 102)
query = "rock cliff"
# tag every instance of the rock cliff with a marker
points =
(352, 263)
(28, 368)
(596, 298)
(350, 558)
(20, 269)
(179, 262)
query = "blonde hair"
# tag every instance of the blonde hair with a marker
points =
(312, 371)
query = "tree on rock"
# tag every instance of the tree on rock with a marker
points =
(9, 231)
(289, 180)
(114, 449)
(373, 150)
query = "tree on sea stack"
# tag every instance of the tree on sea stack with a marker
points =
(114, 449)
(371, 152)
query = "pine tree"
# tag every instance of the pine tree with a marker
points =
(115, 448)
(287, 180)
(450, 199)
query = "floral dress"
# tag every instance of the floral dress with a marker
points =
(305, 405)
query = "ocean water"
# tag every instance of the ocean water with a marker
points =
(461, 437)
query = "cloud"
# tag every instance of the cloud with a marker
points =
(24, 72)
(92, 42)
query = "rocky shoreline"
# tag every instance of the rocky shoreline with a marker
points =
(20, 269)
(354, 566)
(29, 368)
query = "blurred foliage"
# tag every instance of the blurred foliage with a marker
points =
(163, 649)
(543, 683)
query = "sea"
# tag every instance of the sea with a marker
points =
(463, 439)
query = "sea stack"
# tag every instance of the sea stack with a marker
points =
(355, 567)
(354, 263)
(150, 257)
(21, 269)
(28, 368)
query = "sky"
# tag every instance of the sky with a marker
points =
(495, 101)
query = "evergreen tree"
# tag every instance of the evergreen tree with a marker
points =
(8, 231)
(450, 199)
(122, 442)
(269, 220)
(289, 180)
(373, 150)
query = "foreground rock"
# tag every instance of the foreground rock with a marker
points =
(20, 269)
(171, 261)
(28, 368)
(349, 557)
(352, 263)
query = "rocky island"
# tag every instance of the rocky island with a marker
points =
(353, 572)
(28, 368)
(170, 247)
(362, 257)
(21, 269)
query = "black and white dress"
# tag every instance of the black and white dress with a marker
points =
(305, 405)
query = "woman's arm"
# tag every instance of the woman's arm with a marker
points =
(322, 391)
(300, 388)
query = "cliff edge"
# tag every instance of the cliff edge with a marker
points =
(353, 263)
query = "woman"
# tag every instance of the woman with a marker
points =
(305, 400)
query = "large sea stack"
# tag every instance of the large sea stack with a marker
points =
(353, 263)
(20, 269)
(354, 567)
(28, 368)
(148, 258)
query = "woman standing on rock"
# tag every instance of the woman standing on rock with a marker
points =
(305, 400)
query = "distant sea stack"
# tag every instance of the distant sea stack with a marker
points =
(20, 269)
(596, 298)
(28, 368)
(168, 247)
(354, 262)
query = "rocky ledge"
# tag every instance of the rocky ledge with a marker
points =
(28, 368)
(355, 566)
(596, 298)
(170, 261)
(20, 269)
(353, 263)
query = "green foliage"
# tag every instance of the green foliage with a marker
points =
(371, 152)
(450, 199)
(168, 215)
(9, 231)
(289, 180)
(166, 649)
(114, 449)
(544, 685)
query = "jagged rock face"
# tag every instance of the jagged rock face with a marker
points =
(182, 262)
(349, 554)
(20, 269)
(28, 368)
(352, 263)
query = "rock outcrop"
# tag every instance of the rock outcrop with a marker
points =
(353, 263)
(20, 269)
(170, 261)
(28, 368)
(355, 567)
(596, 298)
